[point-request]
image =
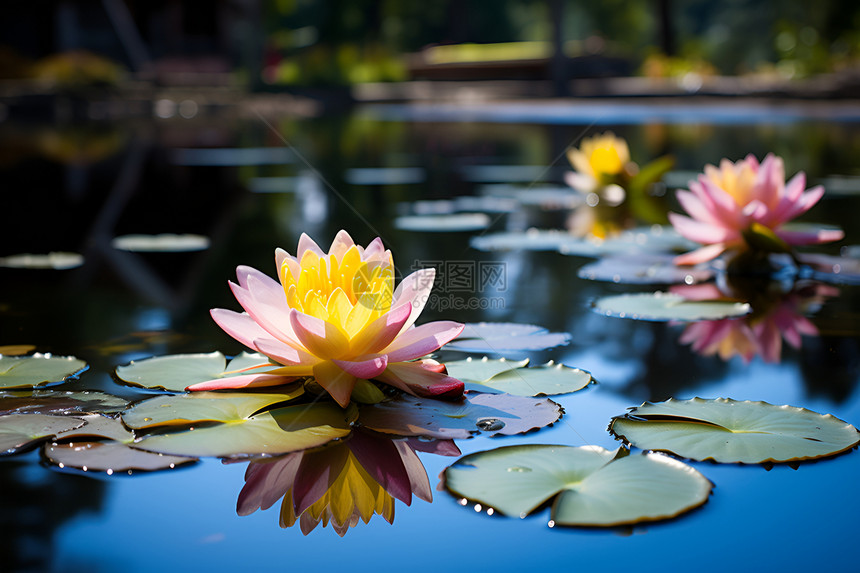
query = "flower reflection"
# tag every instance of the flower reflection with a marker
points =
(744, 205)
(337, 316)
(776, 316)
(341, 484)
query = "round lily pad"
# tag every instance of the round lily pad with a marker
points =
(443, 223)
(664, 306)
(729, 431)
(643, 268)
(178, 371)
(510, 377)
(109, 457)
(497, 414)
(18, 431)
(273, 432)
(503, 337)
(199, 407)
(164, 243)
(591, 486)
(59, 402)
(55, 261)
(37, 370)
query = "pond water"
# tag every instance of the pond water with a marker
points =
(262, 184)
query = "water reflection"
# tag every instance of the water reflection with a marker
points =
(341, 484)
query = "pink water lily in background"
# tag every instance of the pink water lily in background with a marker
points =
(730, 199)
(336, 316)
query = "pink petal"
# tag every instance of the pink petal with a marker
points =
(803, 204)
(308, 244)
(415, 290)
(700, 255)
(374, 250)
(273, 319)
(422, 378)
(814, 237)
(238, 325)
(698, 231)
(381, 332)
(283, 353)
(341, 244)
(364, 369)
(266, 482)
(243, 381)
(320, 338)
(243, 273)
(337, 382)
(694, 206)
(422, 340)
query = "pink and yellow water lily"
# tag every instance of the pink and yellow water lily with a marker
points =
(735, 201)
(336, 316)
(598, 162)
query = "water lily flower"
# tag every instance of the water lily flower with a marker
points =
(342, 484)
(598, 162)
(338, 317)
(736, 204)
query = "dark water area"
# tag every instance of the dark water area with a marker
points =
(263, 183)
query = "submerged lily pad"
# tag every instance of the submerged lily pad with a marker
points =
(665, 306)
(59, 402)
(729, 431)
(164, 243)
(443, 223)
(110, 457)
(273, 432)
(592, 486)
(178, 371)
(643, 268)
(37, 370)
(505, 337)
(55, 261)
(497, 414)
(19, 431)
(198, 407)
(548, 379)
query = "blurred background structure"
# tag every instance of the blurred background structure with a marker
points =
(130, 51)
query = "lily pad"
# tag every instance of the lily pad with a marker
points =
(55, 261)
(643, 268)
(505, 337)
(729, 431)
(199, 407)
(443, 223)
(18, 431)
(592, 486)
(549, 379)
(59, 402)
(497, 414)
(37, 370)
(664, 306)
(163, 243)
(176, 372)
(109, 457)
(97, 426)
(534, 240)
(273, 432)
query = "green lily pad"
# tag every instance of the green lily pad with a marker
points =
(109, 457)
(98, 427)
(273, 432)
(549, 379)
(664, 306)
(729, 431)
(54, 261)
(59, 402)
(591, 486)
(199, 407)
(164, 243)
(506, 337)
(178, 371)
(498, 414)
(643, 268)
(37, 370)
(19, 431)
(443, 223)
